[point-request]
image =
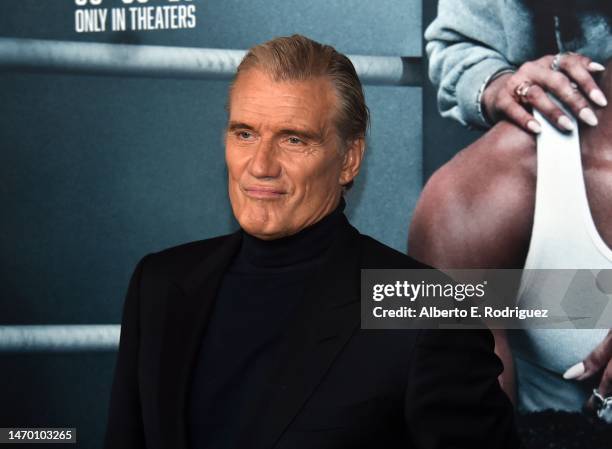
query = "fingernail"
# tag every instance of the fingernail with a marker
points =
(598, 97)
(565, 123)
(575, 371)
(534, 127)
(588, 117)
(596, 67)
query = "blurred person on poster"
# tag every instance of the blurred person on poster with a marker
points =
(513, 201)
(253, 339)
(485, 54)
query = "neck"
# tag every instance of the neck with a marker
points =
(305, 247)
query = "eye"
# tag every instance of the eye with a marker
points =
(244, 135)
(294, 140)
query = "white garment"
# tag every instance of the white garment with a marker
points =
(564, 236)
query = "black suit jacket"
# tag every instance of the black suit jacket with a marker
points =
(334, 385)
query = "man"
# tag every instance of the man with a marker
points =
(501, 204)
(252, 340)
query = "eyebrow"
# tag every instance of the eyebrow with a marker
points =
(233, 126)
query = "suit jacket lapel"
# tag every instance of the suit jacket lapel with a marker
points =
(189, 306)
(322, 325)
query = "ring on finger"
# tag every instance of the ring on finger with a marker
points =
(555, 65)
(522, 90)
(603, 406)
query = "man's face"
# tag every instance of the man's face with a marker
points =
(285, 166)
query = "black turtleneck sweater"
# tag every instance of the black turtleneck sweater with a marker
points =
(262, 286)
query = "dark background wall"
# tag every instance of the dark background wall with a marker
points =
(98, 171)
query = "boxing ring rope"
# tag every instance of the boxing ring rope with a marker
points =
(59, 338)
(86, 58)
(91, 58)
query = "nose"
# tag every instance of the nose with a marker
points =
(264, 163)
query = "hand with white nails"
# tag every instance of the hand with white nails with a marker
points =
(513, 95)
(597, 363)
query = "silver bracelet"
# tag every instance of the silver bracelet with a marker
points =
(484, 85)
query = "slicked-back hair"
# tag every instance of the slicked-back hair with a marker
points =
(298, 58)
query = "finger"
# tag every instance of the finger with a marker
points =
(560, 86)
(591, 65)
(542, 102)
(516, 113)
(605, 385)
(593, 363)
(590, 406)
(604, 389)
(576, 67)
(600, 357)
(575, 371)
(596, 67)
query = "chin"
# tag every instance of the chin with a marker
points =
(262, 229)
(259, 222)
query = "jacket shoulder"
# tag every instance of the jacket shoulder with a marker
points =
(176, 260)
(378, 255)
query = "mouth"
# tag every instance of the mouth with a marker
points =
(263, 193)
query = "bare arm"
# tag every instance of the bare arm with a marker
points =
(477, 212)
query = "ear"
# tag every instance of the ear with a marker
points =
(351, 162)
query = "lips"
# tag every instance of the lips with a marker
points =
(261, 192)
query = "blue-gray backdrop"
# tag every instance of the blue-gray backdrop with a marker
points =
(98, 171)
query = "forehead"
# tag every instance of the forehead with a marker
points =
(257, 97)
